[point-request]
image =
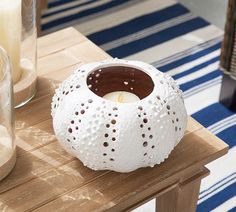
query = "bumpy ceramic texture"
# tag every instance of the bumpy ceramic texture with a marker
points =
(118, 136)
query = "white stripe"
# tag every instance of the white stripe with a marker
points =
(204, 85)
(118, 17)
(226, 206)
(175, 45)
(147, 31)
(73, 11)
(220, 169)
(190, 51)
(201, 88)
(228, 125)
(64, 6)
(216, 186)
(221, 124)
(197, 74)
(202, 99)
(217, 191)
(194, 63)
(149, 206)
(224, 126)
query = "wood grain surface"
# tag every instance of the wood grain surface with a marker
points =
(46, 178)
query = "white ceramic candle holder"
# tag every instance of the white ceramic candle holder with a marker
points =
(122, 137)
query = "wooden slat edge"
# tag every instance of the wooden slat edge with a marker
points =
(58, 41)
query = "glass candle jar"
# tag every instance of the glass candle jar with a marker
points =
(7, 137)
(19, 37)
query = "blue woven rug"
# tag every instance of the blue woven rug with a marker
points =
(167, 35)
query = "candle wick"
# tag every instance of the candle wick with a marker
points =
(120, 98)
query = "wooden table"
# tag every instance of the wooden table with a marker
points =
(46, 178)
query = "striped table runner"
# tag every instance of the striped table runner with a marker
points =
(166, 34)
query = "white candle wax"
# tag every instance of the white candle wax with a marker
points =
(10, 33)
(121, 97)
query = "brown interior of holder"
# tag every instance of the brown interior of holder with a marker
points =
(120, 78)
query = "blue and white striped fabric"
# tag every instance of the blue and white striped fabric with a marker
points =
(167, 35)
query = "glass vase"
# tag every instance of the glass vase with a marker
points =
(7, 137)
(19, 38)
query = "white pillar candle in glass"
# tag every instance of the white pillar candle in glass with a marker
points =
(10, 33)
(121, 97)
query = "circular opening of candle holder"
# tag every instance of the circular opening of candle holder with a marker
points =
(120, 78)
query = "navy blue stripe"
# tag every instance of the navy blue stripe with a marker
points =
(200, 80)
(137, 24)
(229, 136)
(232, 210)
(212, 114)
(66, 9)
(189, 58)
(217, 199)
(196, 68)
(158, 38)
(66, 19)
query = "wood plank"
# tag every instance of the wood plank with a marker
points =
(87, 52)
(62, 74)
(32, 164)
(58, 41)
(45, 87)
(183, 197)
(56, 61)
(33, 137)
(35, 112)
(213, 145)
(192, 176)
(104, 192)
(50, 184)
(193, 125)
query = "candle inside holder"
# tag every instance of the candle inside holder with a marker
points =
(121, 97)
(10, 33)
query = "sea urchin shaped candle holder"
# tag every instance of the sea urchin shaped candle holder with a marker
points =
(119, 136)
